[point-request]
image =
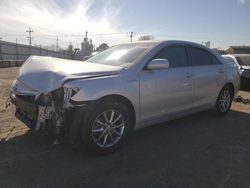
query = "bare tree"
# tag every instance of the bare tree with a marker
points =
(70, 49)
(146, 37)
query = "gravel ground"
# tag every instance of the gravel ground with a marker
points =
(196, 151)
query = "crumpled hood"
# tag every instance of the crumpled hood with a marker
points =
(45, 74)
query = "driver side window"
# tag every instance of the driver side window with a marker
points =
(177, 56)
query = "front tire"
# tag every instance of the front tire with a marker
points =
(224, 101)
(107, 126)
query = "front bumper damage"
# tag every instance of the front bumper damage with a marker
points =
(25, 111)
(52, 112)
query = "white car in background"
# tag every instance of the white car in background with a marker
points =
(242, 61)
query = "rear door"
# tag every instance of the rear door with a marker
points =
(209, 74)
(167, 91)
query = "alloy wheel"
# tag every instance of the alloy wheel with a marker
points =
(224, 101)
(108, 128)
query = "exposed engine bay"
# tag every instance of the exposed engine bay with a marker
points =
(45, 111)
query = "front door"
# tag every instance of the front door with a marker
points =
(167, 91)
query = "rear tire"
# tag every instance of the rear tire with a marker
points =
(106, 127)
(224, 101)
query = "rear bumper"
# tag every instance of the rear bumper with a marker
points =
(25, 111)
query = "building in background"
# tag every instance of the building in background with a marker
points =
(87, 46)
(220, 51)
(239, 50)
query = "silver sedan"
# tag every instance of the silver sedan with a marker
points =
(124, 88)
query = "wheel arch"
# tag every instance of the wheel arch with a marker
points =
(230, 85)
(125, 101)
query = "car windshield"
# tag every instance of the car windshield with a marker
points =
(243, 60)
(122, 55)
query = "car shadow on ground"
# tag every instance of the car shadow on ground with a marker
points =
(196, 151)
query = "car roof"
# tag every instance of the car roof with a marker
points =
(155, 42)
(161, 41)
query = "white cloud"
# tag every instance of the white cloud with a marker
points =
(47, 19)
(242, 2)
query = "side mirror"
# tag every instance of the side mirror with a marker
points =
(157, 64)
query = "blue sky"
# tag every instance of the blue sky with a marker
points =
(223, 22)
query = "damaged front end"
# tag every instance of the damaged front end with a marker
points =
(43, 92)
(51, 111)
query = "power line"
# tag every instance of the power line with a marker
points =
(29, 37)
(1, 55)
(78, 35)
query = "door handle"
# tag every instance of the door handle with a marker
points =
(189, 75)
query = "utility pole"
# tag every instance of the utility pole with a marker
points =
(57, 46)
(1, 55)
(17, 55)
(29, 37)
(131, 36)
